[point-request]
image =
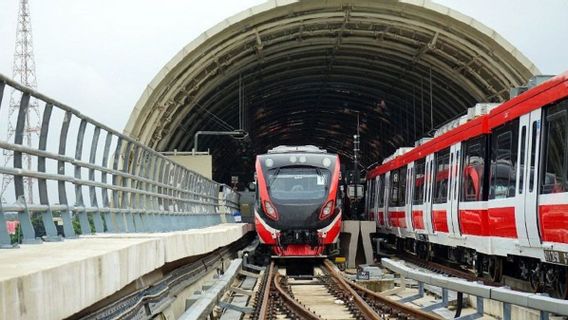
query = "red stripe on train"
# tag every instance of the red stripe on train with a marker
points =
(498, 222)
(418, 219)
(502, 223)
(381, 218)
(440, 220)
(554, 222)
(474, 222)
(397, 219)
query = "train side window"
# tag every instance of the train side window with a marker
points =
(458, 161)
(441, 176)
(418, 196)
(402, 186)
(394, 194)
(523, 147)
(381, 191)
(369, 195)
(535, 125)
(504, 161)
(554, 179)
(374, 193)
(473, 171)
(430, 182)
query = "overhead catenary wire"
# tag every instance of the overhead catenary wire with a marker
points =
(240, 102)
(220, 121)
(431, 103)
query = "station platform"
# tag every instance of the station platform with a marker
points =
(55, 280)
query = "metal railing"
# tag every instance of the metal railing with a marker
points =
(507, 297)
(130, 187)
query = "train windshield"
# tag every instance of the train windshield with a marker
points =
(298, 183)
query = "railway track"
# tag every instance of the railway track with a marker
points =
(325, 296)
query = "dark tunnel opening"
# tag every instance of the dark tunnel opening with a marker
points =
(304, 70)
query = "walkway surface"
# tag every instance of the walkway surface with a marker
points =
(54, 280)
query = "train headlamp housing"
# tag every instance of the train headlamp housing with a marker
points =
(270, 210)
(326, 210)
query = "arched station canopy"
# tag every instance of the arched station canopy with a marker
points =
(303, 70)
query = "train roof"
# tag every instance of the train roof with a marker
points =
(481, 119)
(296, 149)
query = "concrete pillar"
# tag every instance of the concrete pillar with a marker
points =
(368, 227)
(350, 240)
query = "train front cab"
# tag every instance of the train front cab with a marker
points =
(312, 231)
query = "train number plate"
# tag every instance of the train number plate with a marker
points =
(556, 256)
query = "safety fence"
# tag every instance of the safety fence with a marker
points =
(73, 175)
(543, 304)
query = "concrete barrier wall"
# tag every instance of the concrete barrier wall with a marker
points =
(57, 280)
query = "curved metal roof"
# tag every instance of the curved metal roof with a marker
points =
(306, 68)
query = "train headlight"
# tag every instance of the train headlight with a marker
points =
(269, 162)
(326, 210)
(270, 210)
(326, 162)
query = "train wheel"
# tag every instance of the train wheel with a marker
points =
(534, 280)
(495, 268)
(399, 243)
(424, 251)
(478, 265)
(561, 286)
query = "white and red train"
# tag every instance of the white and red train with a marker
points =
(297, 211)
(489, 191)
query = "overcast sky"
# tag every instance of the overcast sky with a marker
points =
(98, 56)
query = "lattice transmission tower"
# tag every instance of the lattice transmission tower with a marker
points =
(23, 70)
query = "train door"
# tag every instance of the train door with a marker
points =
(428, 189)
(526, 206)
(368, 208)
(502, 181)
(418, 184)
(473, 196)
(441, 188)
(386, 200)
(381, 200)
(409, 191)
(374, 200)
(454, 184)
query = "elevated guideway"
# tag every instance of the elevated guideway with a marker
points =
(58, 279)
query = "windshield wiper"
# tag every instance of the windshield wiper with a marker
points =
(270, 182)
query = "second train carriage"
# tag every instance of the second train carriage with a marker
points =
(490, 189)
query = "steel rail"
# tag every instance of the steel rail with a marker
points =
(363, 306)
(263, 314)
(299, 309)
(419, 314)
